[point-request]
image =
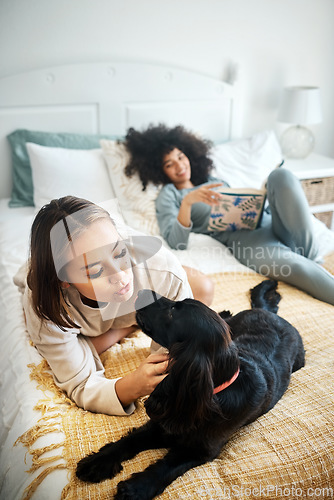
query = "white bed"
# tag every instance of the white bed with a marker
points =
(99, 99)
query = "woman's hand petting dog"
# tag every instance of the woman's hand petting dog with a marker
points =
(223, 374)
(143, 380)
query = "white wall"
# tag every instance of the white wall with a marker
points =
(275, 43)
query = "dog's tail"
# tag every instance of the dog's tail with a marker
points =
(265, 296)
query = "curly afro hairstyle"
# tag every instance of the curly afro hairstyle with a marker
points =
(148, 148)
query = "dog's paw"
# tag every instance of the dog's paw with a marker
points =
(128, 490)
(96, 467)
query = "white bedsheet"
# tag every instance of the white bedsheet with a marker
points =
(18, 393)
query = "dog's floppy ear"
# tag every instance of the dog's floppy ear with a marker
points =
(185, 397)
(156, 405)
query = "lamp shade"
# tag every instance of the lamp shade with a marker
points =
(300, 105)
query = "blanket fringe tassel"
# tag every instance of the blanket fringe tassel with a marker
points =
(30, 490)
(51, 421)
(44, 426)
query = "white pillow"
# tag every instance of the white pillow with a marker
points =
(58, 172)
(247, 162)
(137, 206)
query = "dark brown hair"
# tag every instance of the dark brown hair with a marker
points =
(48, 299)
(147, 149)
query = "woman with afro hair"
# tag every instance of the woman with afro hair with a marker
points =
(283, 247)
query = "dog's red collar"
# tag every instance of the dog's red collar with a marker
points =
(226, 384)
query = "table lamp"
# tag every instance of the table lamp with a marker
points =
(301, 106)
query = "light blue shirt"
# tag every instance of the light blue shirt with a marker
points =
(167, 209)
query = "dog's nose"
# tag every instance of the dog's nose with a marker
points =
(145, 298)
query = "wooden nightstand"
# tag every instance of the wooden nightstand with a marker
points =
(316, 173)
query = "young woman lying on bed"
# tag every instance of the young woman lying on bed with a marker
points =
(82, 282)
(283, 247)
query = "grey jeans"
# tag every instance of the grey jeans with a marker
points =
(284, 247)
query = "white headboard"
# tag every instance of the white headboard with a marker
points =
(108, 98)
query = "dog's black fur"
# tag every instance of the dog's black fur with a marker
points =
(185, 415)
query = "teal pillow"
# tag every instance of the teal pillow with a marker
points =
(23, 190)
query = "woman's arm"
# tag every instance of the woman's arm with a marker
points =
(81, 375)
(77, 369)
(167, 210)
(109, 338)
(174, 217)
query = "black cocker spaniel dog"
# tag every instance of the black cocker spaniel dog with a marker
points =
(224, 372)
